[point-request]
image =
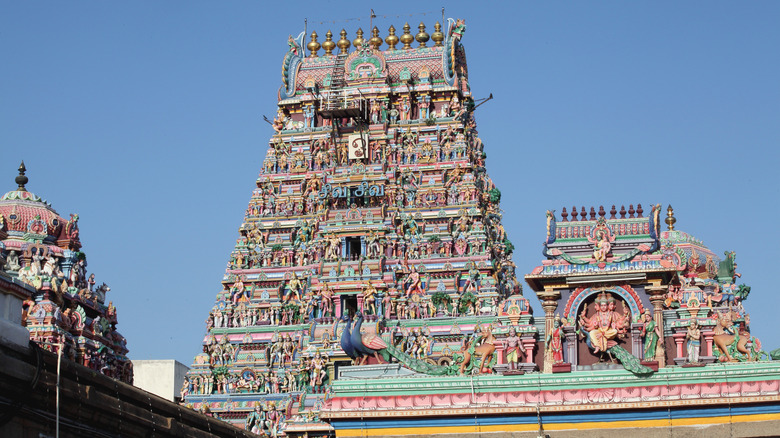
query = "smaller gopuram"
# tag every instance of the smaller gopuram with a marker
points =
(68, 309)
(615, 288)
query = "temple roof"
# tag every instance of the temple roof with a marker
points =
(605, 245)
(435, 65)
(23, 213)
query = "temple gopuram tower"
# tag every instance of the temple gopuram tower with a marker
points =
(373, 222)
(68, 308)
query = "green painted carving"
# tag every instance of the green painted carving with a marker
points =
(628, 361)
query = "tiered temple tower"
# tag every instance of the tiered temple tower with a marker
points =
(373, 203)
(68, 309)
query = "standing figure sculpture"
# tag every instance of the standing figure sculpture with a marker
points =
(513, 349)
(555, 341)
(651, 333)
(369, 299)
(413, 282)
(693, 342)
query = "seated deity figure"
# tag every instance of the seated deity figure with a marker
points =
(603, 327)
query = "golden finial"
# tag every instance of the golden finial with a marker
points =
(343, 43)
(328, 45)
(670, 220)
(437, 36)
(422, 36)
(313, 46)
(358, 42)
(391, 39)
(21, 179)
(407, 37)
(375, 41)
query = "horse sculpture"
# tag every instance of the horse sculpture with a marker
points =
(732, 346)
(483, 346)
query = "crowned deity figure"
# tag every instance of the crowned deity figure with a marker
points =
(294, 288)
(651, 333)
(693, 341)
(513, 351)
(604, 326)
(601, 238)
(413, 281)
(369, 299)
(554, 345)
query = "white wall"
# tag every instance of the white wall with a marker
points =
(160, 377)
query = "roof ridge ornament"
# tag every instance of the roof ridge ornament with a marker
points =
(670, 219)
(21, 180)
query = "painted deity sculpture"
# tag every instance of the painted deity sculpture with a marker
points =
(369, 299)
(651, 333)
(693, 342)
(513, 351)
(603, 326)
(482, 345)
(555, 341)
(733, 342)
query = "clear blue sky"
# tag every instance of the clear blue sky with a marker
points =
(146, 119)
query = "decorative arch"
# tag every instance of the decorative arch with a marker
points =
(366, 63)
(625, 292)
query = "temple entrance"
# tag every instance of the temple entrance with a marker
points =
(349, 305)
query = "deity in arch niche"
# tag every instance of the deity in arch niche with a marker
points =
(603, 327)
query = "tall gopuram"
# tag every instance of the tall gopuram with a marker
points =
(373, 207)
(371, 290)
(68, 308)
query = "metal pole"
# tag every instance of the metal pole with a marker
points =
(59, 363)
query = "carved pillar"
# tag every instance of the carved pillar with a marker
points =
(337, 303)
(708, 341)
(500, 352)
(656, 292)
(708, 357)
(528, 345)
(571, 346)
(380, 303)
(549, 298)
(636, 340)
(679, 341)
